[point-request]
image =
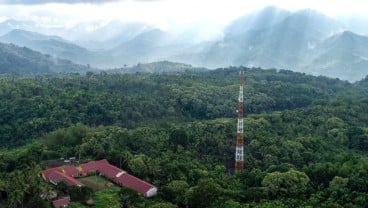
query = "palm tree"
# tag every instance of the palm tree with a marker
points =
(125, 157)
(16, 189)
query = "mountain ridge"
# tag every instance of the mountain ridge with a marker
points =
(52, 45)
(268, 38)
(16, 60)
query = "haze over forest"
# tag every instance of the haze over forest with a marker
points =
(137, 103)
(320, 40)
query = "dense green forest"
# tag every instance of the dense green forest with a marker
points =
(306, 137)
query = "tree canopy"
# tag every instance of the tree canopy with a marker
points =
(305, 138)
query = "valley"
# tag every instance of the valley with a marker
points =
(183, 104)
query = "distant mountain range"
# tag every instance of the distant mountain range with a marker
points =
(52, 45)
(16, 60)
(304, 41)
(343, 55)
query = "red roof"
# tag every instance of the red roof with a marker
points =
(135, 183)
(61, 202)
(47, 172)
(119, 176)
(93, 166)
(57, 176)
(110, 171)
(88, 167)
(102, 166)
(70, 170)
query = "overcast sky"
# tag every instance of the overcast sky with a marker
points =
(165, 14)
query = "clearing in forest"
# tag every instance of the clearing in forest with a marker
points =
(98, 183)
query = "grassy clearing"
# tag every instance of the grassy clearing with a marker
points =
(98, 183)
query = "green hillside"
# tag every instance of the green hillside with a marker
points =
(16, 60)
(306, 137)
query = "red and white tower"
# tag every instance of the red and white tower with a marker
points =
(239, 152)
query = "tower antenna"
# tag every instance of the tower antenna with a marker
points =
(239, 151)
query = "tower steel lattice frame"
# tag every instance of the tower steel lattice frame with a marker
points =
(239, 151)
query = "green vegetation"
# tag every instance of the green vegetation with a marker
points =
(31, 107)
(97, 182)
(306, 137)
(157, 67)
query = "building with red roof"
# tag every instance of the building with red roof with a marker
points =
(68, 173)
(55, 175)
(63, 202)
(129, 181)
(110, 171)
(86, 168)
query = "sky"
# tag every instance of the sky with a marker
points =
(165, 14)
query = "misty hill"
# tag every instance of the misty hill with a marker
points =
(262, 19)
(343, 55)
(144, 47)
(12, 24)
(282, 45)
(91, 36)
(108, 36)
(304, 41)
(151, 46)
(21, 60)
(52, 45)
(158, 67)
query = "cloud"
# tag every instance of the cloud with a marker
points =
(29, 2)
